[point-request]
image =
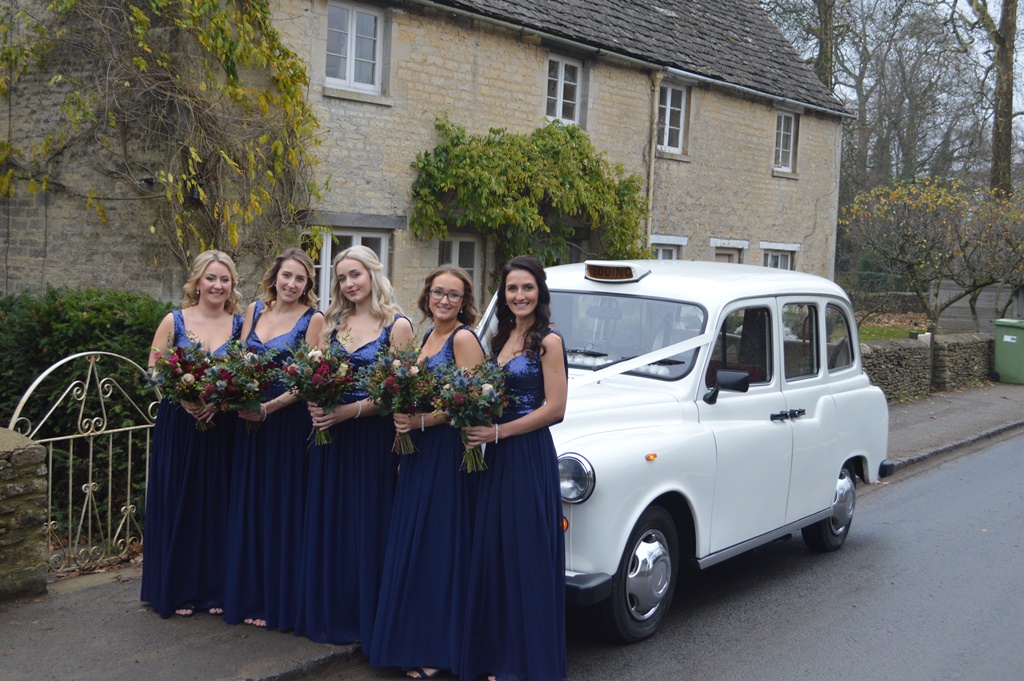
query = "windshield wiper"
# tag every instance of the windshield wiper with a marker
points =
(586, 353)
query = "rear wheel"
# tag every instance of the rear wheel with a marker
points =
(645, 581)
(830, 534)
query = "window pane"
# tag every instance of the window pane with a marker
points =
(569, 93)
(571, 73)
(335, 67)
(744, 344)
(366, 25)
(336, 42)
(337, 18)
(553, 69)
(467, 255)
(444, 252)
(364, 72)
(840, 343)
(569, 112)
(800, 341)
(375, 244)
(677, 98)
(366, 48)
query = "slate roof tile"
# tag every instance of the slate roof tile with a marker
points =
(732, 41)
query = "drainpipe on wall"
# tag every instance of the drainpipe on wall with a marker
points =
(656, 77)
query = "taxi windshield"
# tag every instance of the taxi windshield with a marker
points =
(602, 329)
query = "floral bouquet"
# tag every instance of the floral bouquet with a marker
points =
(239, 379)
(183, 375)
(398, 384)
(472, 397)
(320, 376)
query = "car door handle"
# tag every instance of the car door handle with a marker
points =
(796, 413)
(781, 416)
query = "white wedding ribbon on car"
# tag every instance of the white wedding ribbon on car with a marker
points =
(625, 365)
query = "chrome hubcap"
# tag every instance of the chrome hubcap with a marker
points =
(649, 575)
(843, 503)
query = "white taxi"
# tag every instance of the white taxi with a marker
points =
(712, 408)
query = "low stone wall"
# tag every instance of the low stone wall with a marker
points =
(962, 359)
(22, 514)
(901, 368)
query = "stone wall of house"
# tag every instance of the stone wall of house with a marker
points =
(22, 515)
(903, 370)
(725, 187)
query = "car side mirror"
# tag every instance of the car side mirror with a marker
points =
(728, 379)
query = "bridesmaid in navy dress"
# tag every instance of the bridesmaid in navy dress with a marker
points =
(419, 619)
(268, 486)
(515, 615)
(189, 475)
(351, 485)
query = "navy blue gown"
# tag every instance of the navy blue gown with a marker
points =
(515, 606)
(268, 494)
(348, 506)
(187, 503)
(419, 618)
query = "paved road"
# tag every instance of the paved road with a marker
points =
(927, 587)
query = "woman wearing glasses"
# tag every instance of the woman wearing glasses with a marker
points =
(419, 615)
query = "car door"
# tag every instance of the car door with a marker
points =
(809, 404)
(753, 449)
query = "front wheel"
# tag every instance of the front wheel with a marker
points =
(830, 533)
(645, 581)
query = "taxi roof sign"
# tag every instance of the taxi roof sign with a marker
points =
(613, 271)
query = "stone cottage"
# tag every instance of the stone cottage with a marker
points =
(738, 141)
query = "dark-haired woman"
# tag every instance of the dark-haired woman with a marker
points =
(419, 616)
(189, 470)
(515, 606)
(271, 463)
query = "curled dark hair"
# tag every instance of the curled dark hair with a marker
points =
(541, 314)
(468, 313)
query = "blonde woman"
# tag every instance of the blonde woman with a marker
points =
(352, 479)
(189, 476)
(268, 489)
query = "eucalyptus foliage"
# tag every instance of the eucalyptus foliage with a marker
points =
(531, 193)
(195, 109)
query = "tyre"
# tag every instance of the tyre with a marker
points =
(830, 534)
(645, 581)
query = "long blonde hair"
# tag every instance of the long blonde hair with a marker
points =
(233, 303)
(269, 282)
(382, 295)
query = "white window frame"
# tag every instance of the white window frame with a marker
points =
(664, 244)
(349, 82)
(665, 110)
(560, 101)
(456, 244)
(328, 249)
(787, 132)
(773, 254)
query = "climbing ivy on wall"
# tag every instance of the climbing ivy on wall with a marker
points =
(533, 193)
(193, 108)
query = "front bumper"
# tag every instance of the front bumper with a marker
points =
(582, 590)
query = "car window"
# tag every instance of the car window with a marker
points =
(602, 329)
(839, 339)
(800, 340)
(744, 343)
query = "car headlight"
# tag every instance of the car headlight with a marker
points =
(576, 478)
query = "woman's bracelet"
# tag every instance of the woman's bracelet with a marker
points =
(359, 411)
(423, 422)
(263, 411)
(495, 433)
